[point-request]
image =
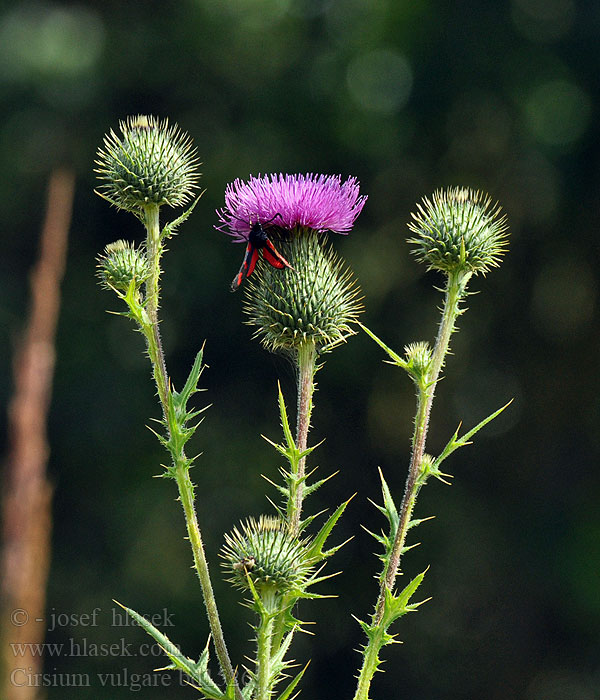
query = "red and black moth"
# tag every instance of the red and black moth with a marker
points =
(257, 241)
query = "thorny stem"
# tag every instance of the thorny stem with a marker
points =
(263, 657)
(186, 495)
(455, 291)
(184, 484)
(306, 373)
(154, 250)
(370, 664)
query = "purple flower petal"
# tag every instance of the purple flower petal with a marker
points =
(318, 202)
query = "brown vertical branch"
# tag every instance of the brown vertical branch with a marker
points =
(26, 506)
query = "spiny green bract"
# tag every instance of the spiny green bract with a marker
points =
(315, 302)
(459, 229)
(121, 264)
(264, 550)
(151, 163)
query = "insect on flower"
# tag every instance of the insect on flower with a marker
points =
(245, 564)
(258, 240)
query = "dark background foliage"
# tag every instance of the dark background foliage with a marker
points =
(407, 96)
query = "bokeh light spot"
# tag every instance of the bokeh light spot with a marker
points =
(49, 42)
(558, 112)
(380, 80)
(250, 15)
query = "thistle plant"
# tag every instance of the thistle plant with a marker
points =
(459, 233)
(304, 310)
(148, 166)
(302, 301)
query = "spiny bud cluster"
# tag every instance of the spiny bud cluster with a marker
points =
(121, 264)
(315, 302)
(265, 551)
(459, 229)
(150, 163)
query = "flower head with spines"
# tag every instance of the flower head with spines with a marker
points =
(316, 301)
(459, 229)
(151, 163)
(121, 264)
(268, 554)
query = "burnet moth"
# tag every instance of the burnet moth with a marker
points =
(257, 241)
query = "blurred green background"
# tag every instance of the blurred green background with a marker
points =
(407, 96)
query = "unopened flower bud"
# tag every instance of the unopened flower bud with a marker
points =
(418, 358)
(315, 302)
(121, 264)
(264, 550)
(151, 163)
(459, 229)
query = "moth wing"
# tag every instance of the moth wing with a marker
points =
(247, 268)
(274, 257)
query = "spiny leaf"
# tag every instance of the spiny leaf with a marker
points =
(305, 522)
(311, 488)
(418, 521)
(285, 424)
(485, 421)
(258, 604)
(396, 359)
(278, 658)
(376, 634)
(170, 228)
(248, 689)
(389, 507)
(455, 442)
(308, 450)
(282, 489)
(397, 605)
(287, 693)
(283, 449)
(278, 662)
(191, 385)
(316, 549)
(196, 670)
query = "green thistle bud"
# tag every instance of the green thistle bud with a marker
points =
(151, 163)
(121, 264)
(314, 303)
(426, 469)
(459, 230)
(264, 550)
(427, 462)
(418, 358)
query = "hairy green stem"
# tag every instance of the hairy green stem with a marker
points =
(455, 291)
(180, 461)
(186, 495)
(154, 251)
(279, 627)
(264, 638)
(306, 360)
(370, 664)
(306, 373)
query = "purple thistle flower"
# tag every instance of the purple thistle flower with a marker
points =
(317, 202)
